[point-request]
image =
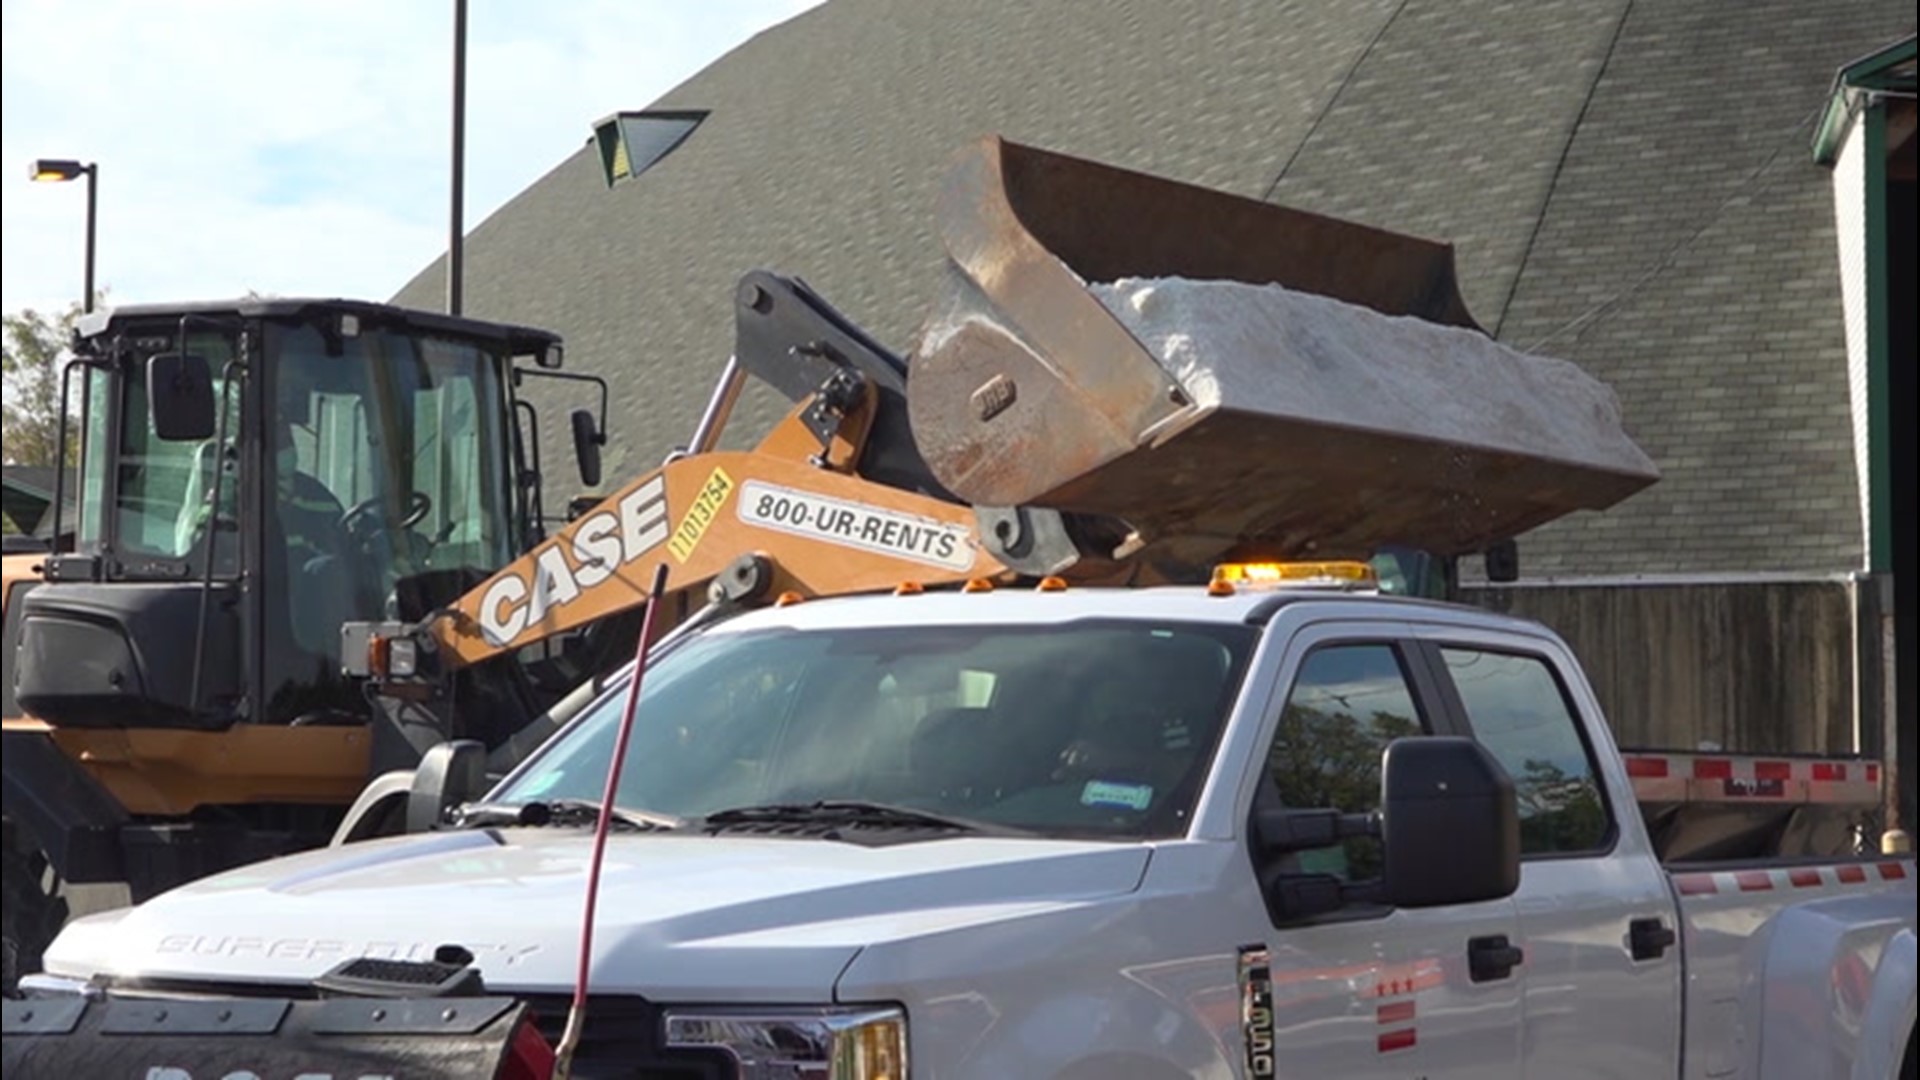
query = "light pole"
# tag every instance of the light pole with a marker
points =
(49, 170)
(457, 224)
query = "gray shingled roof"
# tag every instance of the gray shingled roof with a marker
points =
(1566, 147)
(28, 492)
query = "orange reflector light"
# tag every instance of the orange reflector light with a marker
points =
(379, 656)
(909, 588)
(978, 584)
(788, 599)
(1255, 575)
(1051, 583)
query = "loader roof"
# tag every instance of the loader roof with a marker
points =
(519, 338)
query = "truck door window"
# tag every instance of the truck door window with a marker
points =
(1518, 711)
(1347, 704)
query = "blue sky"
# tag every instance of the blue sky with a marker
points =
(302, 148)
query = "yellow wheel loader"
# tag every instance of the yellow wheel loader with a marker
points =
(252, 475)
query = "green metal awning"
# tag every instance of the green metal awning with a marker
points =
(1887, 70)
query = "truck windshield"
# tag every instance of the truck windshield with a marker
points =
(1098, 728)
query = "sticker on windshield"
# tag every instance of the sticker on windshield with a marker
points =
(1107, 793)
(856, 525)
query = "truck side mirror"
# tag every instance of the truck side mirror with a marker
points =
(587, 441)
(180, 397)
(1451, 824)
(450, 773)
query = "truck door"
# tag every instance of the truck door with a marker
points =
(1601, 981)
(1363, 991)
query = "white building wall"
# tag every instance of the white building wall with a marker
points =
(1850, 217)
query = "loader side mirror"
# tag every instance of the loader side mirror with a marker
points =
(180, 397)
(1451, 824)
(587, 441)
(1503, 561)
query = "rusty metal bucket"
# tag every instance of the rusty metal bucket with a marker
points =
(1025, 390)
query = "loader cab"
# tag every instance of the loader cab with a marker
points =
(253, 476)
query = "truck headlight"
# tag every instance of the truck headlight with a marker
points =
(799, 1044)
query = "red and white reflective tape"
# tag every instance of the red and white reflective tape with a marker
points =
(1720, 767)
(1396, 1038)
(1396, 1018)
(1786, 879)
(1724, 778)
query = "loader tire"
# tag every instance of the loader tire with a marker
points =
(31, 915)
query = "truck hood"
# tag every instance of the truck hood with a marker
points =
(681, 917)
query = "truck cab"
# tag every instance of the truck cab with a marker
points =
(1076, 833)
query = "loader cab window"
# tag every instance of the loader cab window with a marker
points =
(160, 519)
(387, 456)
(96, 433)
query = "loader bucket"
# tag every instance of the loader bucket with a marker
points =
(1037, 382)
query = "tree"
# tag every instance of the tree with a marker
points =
(1330, 759)
(36, 349)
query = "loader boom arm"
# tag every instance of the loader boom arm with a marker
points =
(818, 527)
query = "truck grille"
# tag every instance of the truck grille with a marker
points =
(622, 1042)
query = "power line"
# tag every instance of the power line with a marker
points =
(1560, 166)
(1331, 99)
(1594, 314)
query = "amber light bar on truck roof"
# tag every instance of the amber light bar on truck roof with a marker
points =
(1230, 578)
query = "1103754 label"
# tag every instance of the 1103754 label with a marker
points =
(706, 507)
(857, 525)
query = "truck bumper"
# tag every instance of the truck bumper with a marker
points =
(473, 1037)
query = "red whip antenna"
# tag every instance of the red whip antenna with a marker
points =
(577, 1014)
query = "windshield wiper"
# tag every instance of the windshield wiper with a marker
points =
(538, 812)
(828, 814)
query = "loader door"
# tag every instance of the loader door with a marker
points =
(387, 461)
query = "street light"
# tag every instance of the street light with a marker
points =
(631, 142)
(456, 201)
(54, 171)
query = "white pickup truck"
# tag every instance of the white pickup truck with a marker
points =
(1073, 833)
